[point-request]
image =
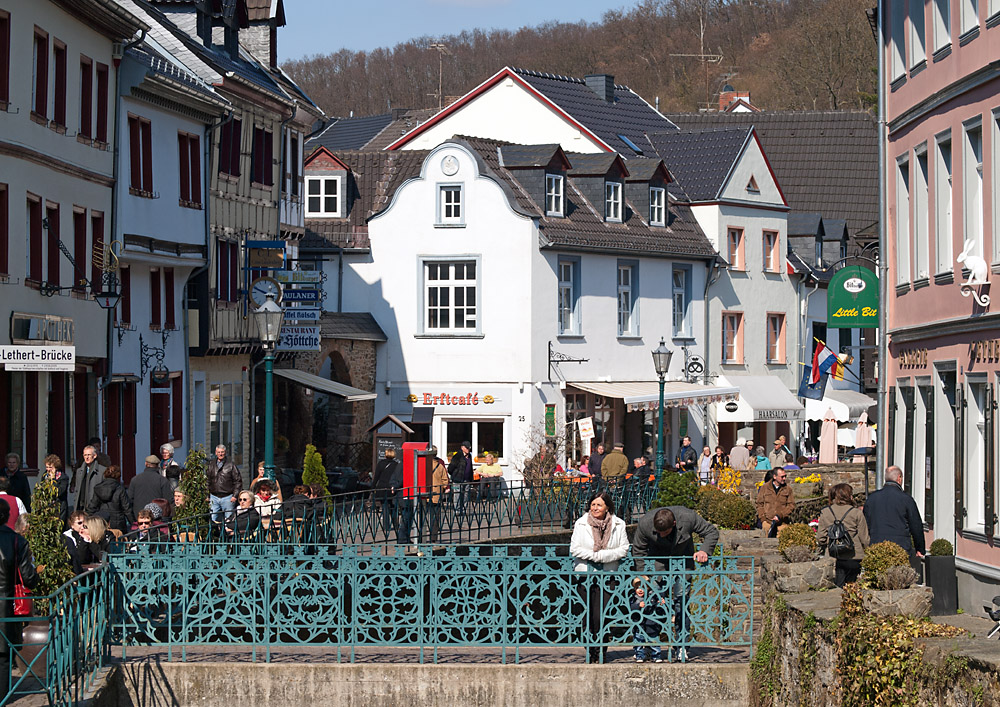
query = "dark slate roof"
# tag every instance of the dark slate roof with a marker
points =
(825, 161)
(349, 133)
(525, 156)
(800, 224)
(629, 115)
(159, 65)
(589, 164)
(375, 176)
(642, 169)
(700, 159)
(403, 122)
(584, 228)
(357, 326)
(833, 228)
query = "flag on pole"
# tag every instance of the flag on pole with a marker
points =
(808, 389)
(843, 360)
(823, 360)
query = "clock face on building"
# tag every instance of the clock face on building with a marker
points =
(263, 286)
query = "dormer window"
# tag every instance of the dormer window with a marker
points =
(657, 206)
(324, 197)
(554, 195)
(613, 201)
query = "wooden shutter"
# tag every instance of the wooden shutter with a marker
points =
(233, 272)
(130, 426)
(930, 465)
(102, 103)
(31, 420)
(235, 144)
(41, 73)
(86, 97)
(4, 238)
(52, 277)
(194, 144)
(989, 510)
(125, 274)
(35, 236)
(59, 99)
(910, 404)
(97, 236)
(134, 153)
(177, 407)
(4, 57)
(168, 298)
(146, 129)
(256, 156)
(154, 297)
(267, 159)
(960, 458)
(183, 152)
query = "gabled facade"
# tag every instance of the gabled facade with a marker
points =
(58, 74)
(466, 245)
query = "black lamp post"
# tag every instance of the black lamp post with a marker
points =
(269, 318)
(661, 362)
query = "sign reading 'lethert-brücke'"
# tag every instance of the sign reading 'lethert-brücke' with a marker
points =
(299, 338)
(38, 358)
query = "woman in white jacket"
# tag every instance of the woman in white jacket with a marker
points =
(599, 541)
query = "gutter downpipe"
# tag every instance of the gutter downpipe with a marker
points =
(883, 315)
(712, 275)
(803, 338)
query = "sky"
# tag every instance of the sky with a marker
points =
(326, 26)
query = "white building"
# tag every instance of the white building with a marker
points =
(58, 78)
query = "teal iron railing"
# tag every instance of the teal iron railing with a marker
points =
(355, 597)
(59, 654)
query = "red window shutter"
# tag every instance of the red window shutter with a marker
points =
(41, 73)
(233, 272)
(31, 420)
(102, 102)
(4, 56)
(185, 168)
(146, 129)
(195, 186)
(222, 269)
(59, 100)
(154, 297)
(234, 147)
(79, 248)
(255, 149)
(97, 236)
(52, 277)
(225, 137)
(177, 407)
(267, 160)
(35, 235)
(168, 298)
(86, 97)
(126, 301)
(134, 147)
(4, 232)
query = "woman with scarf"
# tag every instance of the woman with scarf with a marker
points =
(599, 541)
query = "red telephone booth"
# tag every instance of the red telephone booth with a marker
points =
(417, 468)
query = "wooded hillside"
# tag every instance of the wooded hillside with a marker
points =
(790, 54)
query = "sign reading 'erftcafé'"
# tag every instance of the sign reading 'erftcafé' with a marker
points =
(462, 400)
(852, 299)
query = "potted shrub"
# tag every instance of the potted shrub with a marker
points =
(939, 574)
(888, 579)
(797, 569)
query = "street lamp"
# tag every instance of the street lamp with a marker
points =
(269, 318)
(661, 362)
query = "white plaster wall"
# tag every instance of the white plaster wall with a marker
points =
(508, 112)
(752, 165)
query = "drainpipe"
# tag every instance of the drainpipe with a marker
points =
(804, 336)
(340, 278)
(713, 271)
(883, 342)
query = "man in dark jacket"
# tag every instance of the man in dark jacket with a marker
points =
(892, 514)
(87, 476)
(668, 532)
(461, 475)
(19, 485)
(111, 502)
(14, 555)
(224, 484)
(594, 467)
(148, 485)
(687, 457)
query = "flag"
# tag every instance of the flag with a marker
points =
(823, 360)
(808, 389)
(842, 361)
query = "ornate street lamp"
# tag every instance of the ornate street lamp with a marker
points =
(269, 318)
(661, 362)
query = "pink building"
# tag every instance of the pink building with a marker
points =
(942, 107)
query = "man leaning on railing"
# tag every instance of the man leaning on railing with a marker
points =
(15, 559)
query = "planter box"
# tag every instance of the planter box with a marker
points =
(795, 577)
(939, 573)
(915, 601)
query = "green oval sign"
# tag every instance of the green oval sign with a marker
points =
(852, 299)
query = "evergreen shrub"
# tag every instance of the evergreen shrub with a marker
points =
(44, 537)
(677, 490)
(796, 534)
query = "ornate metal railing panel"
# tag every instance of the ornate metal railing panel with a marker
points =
(350, 597)
(61, 651)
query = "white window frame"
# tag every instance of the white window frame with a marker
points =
(918, 45)
(627, 309)
(450, 211)
(568, 297)
(902, 231)
(921, 214)
(972, 185)
(554, 195)
(976, 418)
(736, 319)
(770, 242)
(897, 41)
(970, 15)
(681, 301)
(995, 167)
(943, 202)
(323, 182)
(657, 206)
(993, 9)
(775, 356)
(942, 24)
(474, 439)
(431, 292)
(735, 262)
(613, 201)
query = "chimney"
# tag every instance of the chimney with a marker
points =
(603, 85)
(204, 25)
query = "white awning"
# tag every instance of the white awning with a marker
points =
(324, 385)
(762, 399)
(847, 405)
(645, 395)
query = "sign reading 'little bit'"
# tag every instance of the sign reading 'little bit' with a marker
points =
(852, 299)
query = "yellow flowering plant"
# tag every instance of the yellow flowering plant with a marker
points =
(730, 480)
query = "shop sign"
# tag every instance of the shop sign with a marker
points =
(985, 351)
(732, 406)
(550, 420)
(295, 277)
(38, 358)
(299, 338)
(464, 400)
(586, 428)
(852, 299)
(302, 314)
(30, 328)
(913, 358)
(767, 415)
(300, 296)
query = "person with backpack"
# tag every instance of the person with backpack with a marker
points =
(843, 533)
